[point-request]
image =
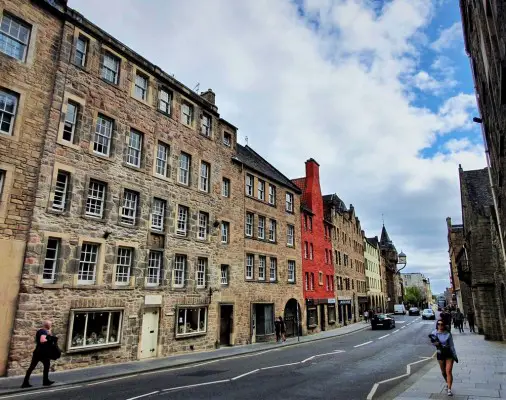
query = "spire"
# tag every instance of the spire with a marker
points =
(385, 239)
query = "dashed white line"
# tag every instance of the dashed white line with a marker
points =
(195, 385)
(143, 395)
(246, 374)
(307, 359)
(382, 337)
(28, 393)
(402, 327)
(279, 366)
(363, 344)
(110, 380)
(396, 331)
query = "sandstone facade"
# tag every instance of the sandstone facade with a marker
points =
(374, 275)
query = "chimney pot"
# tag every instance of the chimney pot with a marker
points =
(209, 96)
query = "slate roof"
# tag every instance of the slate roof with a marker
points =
(373, 241)
(335, 201)
(385, 240)
(257, 163)
(477, 185)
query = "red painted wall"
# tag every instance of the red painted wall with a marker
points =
(312, 197)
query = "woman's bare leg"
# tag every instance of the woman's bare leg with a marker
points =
(449, 373)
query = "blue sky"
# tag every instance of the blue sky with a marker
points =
(379, 93)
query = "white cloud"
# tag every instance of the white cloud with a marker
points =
(448, 37)
(335, 90)
(427, 83)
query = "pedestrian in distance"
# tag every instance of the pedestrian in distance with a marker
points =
(277, 327)
(366, 315)
(446, 354)
(470, 319)
(459, 320)
(282, 327)
(42, 353)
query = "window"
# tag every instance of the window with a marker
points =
(81, 50)
(51, 260)
(94, 329)
(204, 176)
(261, 227)
(311, 282)
(201, 272)
(249, 224)
(310, 223)
(141, 87)
(8, 106)
(69, 126)
(224, 274)
(225, 232)
(250, 262)
(291, 271)
(261, 190)
(272, 230)
(186, 114)
(164, 101)
(273, 270)
(88, 264)
(103, 133)
(327, 283)
(14, 37)
(311, 251)
(262, 261)
(191, 321)
(184, 169)
(264, 319)
(205, 125)
(352, 284)
(249, 185)
(129, 207)
(203, 223)
(110, 68)
(290, 233)
(179, 271)
(320, 278)
(306, 280)
(182, 220)
(155, 266)
(61, 190)
(227, 139)
(133, 156)
(225, 187)
(158, 215)
(326, 256)
(162, 156)
(331, 311)
(289, 202)
(306, 250)
(96, 199)
(123, 265)
(312, 316)
(272, 194)
(305, 222)
(2, 179)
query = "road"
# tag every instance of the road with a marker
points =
(345, 367)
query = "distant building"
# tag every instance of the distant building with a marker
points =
(374, 275)
(420, 281)
(393, 281)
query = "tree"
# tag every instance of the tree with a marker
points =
(413, 295)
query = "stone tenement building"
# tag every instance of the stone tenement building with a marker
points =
(373, 275)
(460, 278)
(317, 266)
(393, 280)
(348, 255)
(272, 252)
(479, 260)
(29, 45)
(484, 37)
(420, 281)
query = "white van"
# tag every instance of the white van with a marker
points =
(399, 309)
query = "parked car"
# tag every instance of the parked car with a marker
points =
(399, 309)
(428, 314)
(414, 311)
(385, 321)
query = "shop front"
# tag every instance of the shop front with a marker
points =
(362, 304)
(345, 310)
(321, 314)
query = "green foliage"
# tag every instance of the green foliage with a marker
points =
(413, 295)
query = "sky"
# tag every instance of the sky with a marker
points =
(378, 92)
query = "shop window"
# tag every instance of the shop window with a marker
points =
(331, 311)
(312, 317)
(191, 321)
(94, 329)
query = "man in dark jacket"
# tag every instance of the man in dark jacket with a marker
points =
(459, 320)
(470, 319)
(41, 353)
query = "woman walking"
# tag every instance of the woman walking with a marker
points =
(446, 354)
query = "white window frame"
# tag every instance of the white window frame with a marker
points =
(124, 262)
(225, 232)
(206, 125)
(224, 274)
(205, 174)
(250, 266)
(261, 190)
(184, 169)
(250, 182)
(225, 187)
(248, 226)
(134, 148)
(182, 220)
(272, 230)
(203, 225)
(96, 196)
(103, 135)
(179, 271)
(262, 264)
(61, 191)
(110, 67)
(129, 207)
(273, 269)
(162, 159)
(50, 262)
(227, 139)
(158, 214)
(202, 265)
(291, 271)
(155, 267)
(272, 194)
(9, 36)
(8, 114)
(141, 86)
(289, 202)
(87, 271)
(86, 313)
(187, 113)
(164, 104)
(69, 125)
(261, 227)
(202, 325)
(81, 51)
(290, 235)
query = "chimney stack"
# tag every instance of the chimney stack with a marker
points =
(209, 96)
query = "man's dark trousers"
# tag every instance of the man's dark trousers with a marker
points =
(37, 356)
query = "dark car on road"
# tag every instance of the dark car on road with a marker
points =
(385, 321)
(414, 311)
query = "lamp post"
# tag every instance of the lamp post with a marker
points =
(401, 260)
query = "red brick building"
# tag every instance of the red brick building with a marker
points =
(317, 264)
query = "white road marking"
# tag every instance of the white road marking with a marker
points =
(110, 380)
(396, 331)
(195, 385)
(400, 322)
(402, 327)
(382, 337)
(279, 366)
(363, 344)
(307, 359)
(41, 391)
(143, 395)
(246, 374)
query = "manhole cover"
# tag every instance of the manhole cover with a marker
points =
(203, 373)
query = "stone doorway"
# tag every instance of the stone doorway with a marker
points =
(291, 318)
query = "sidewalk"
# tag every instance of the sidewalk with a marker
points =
(479, 374)
(12, 384)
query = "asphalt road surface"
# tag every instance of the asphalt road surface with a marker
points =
(345, 367)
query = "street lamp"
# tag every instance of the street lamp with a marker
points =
(401, 260)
